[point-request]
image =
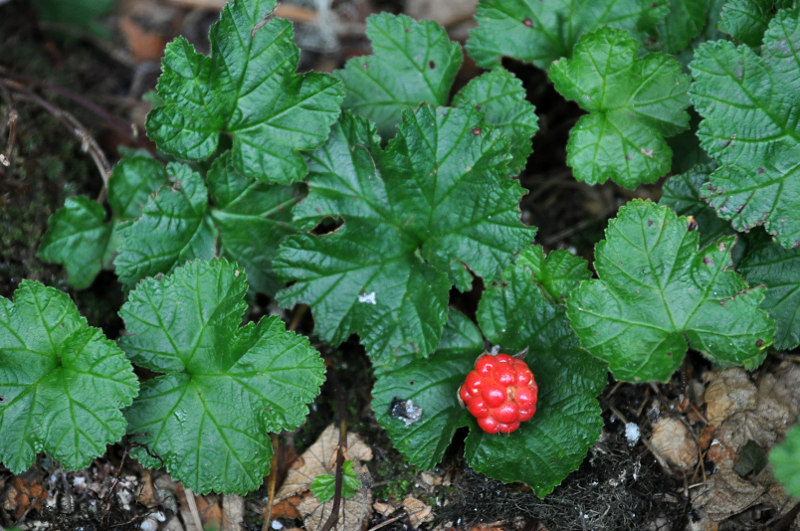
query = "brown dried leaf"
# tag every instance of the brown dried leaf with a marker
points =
(418, 511)
(320, 459)
(740, 410)
(728, 392)
(726, 494)
(673, 445)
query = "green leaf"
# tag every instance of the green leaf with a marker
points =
(413, 63)
(541, 31)
(134, 179)
(324, 485)
(750, 111)
(500, 96)
(515, 314)
(78, 236)
(771, 265)
(225, 387)
(62, 383)
(633, 104)
(247, 89)
(243, 217)
(427, 213)
(657, 292)
(684, 22)
(682, 193)
(432, 385)
(785, 460)
(746, 20)
(559, 273)
(252, 218)
(172, 229)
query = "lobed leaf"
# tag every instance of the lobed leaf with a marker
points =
(684, 22)
(247, 89)
(683, 194)
(749, 106)
(657, 291)
(413, 62)
(515, 314)
(431, 385)
(500, 96)
(768, 264)
(633, 104)
(558, 273)
(172, 229)
(324, 485)
(80, 237)
(541, 31)
(424, 214)
(224, 386)
(235, 216)
(746, 20)
(62, 383)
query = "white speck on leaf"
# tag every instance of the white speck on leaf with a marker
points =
(368, 298)
(646, 152)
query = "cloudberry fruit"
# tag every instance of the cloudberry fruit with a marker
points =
(500, 392)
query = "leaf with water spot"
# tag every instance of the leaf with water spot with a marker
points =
(430, 211)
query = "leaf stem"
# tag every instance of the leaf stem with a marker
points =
(273, 478)
(340, 449)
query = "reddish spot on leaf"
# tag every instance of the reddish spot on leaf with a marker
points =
(528, 22)
(476, 131)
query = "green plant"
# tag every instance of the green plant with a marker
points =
(372, 214)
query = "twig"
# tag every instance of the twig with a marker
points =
(115, 122)
(190, 501)
(387, 522)
(298, 316)
(5, 158)
(88, 143)
(273, 479)
(340, 450)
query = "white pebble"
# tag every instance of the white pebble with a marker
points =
(632, 433)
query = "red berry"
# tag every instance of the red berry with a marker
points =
(500, 393)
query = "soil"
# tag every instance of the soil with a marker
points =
(621, 484)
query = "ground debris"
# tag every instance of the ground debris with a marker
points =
(745, 416)
(320, 459)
